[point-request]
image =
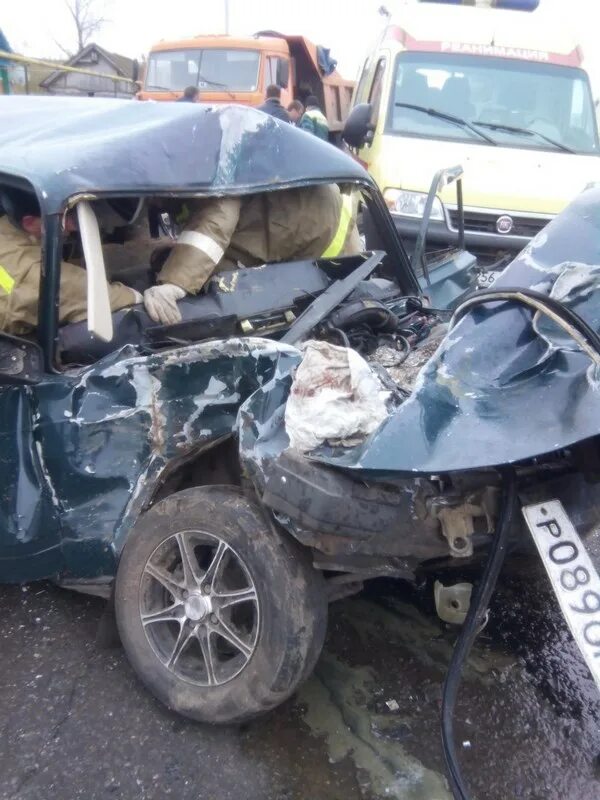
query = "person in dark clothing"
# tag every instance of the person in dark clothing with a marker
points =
(272, 104)
(191, 94)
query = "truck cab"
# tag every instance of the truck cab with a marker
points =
(229, 69)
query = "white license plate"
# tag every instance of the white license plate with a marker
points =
(572, 574)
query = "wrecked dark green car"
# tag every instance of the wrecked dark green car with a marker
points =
(305, 427)
(119, 465)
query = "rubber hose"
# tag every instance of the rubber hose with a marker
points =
(471, 626)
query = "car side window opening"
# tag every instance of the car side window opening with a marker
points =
(275, 69)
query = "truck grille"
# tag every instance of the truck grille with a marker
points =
(482, 222)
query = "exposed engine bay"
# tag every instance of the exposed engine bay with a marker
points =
(395, 339)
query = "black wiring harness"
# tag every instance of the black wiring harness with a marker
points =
(366, 325)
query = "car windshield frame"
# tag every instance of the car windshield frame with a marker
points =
(503, 138)
(201, 80)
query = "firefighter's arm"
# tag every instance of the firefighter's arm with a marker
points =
(194, 257)
(202, 244)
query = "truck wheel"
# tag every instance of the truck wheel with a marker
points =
(220, 616)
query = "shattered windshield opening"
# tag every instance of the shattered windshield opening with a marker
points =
(211, 69)
(518, 103)
(260, 285)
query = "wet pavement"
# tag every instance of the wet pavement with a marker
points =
(77, 724)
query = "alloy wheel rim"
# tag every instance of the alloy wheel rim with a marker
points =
(199, 608)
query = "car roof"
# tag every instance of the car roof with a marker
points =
(65, 146)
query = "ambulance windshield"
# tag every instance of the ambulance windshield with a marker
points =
(516, 102)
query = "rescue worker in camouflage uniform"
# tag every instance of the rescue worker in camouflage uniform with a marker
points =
(228, 232)
(21, 265)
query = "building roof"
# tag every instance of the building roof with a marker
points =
(65, 146)
(123, 66)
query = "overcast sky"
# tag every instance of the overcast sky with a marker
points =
(348, 27)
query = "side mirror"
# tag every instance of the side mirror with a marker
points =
(98, 301)
(358, 129)
(283, 72)
(21, 361)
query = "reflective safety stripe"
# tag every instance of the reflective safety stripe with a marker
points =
(337, 243)
(202, 242)
(7, 282)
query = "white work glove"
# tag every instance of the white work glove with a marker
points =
(161, 303)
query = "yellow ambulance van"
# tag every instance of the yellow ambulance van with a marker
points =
(503, 93)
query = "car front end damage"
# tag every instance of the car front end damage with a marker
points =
(494, 438)
(503, 384)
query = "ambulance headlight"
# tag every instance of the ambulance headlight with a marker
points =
(411, 204)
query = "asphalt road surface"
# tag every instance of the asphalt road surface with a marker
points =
(77, 724)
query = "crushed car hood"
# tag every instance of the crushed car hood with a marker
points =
(502, 387)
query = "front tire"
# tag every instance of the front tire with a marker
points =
(220, 615)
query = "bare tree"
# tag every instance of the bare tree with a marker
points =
(88, 18)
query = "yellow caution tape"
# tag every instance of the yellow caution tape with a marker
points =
(7, 282)
(337, 243)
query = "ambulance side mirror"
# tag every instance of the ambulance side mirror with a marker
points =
(358, 130)
(99, 320)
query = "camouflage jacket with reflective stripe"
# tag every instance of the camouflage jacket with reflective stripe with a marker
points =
(263, 228)
(20, 269)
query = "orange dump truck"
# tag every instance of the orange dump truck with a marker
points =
(229, 69)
